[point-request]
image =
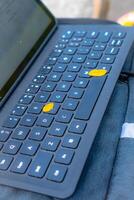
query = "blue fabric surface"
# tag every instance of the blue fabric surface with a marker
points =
(130, 109)
(122, 181)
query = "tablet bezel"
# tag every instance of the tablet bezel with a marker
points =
(21, 69)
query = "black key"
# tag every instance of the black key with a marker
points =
(70, 51)
(55, 77)
(19, 110)
(42, 97)
(57, 52)
(33, 89)
(76, 39)
(56, 173)
(26, 99)
(37, 133)
(80, 34)
(52, 60)
(20, 164)
(79, 59)
(35, 108)
(71, 141)
(39, 79)
(48, 87)
(64, 116)
(64, 156)
(108, 59)
(28, 120)
(63, 86)
(74, 67)
(45, 120)
(64, 41)
(50, 143)
(5, 161)
(45, 70)
(58, 97)
(60, 46)
(57, 129)
(40, 164)
(11, 122)
(104, 37)
(65, 59)
(70, 104)
(84, 73)
(59, 67)
(87, 42)
(99, 47)
(119, 35)
(104, 66)
(12, 147)
(74, 44)
(81, 83)
(20, 133)
(67, 35)
(96, 55)
(89, 99)
(112, 51)
(70, 77)
(92, 35)
(77, 127)
(75, 93)
(55, 109)
(90, 64)
(116, 43)
(83, 50)
(29, 148)
(4, 134)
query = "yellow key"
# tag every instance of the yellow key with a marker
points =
(97, 72)
(48, 107)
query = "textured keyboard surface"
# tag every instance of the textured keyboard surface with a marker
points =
(41, 136)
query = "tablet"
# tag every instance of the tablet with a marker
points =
(21, 35)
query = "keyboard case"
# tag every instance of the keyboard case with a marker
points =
(103, 151)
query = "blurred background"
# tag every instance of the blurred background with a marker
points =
(119, 8)
(86, 8)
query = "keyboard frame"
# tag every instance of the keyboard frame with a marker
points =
(67, 188)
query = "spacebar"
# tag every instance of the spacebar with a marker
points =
(90, 97)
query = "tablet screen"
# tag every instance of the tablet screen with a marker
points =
(23, 27)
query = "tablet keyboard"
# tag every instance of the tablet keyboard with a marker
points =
(43, 133)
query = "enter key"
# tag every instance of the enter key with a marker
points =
(90, 98)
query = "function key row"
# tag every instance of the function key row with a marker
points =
(93, 34)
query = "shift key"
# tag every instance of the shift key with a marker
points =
(90, 97)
